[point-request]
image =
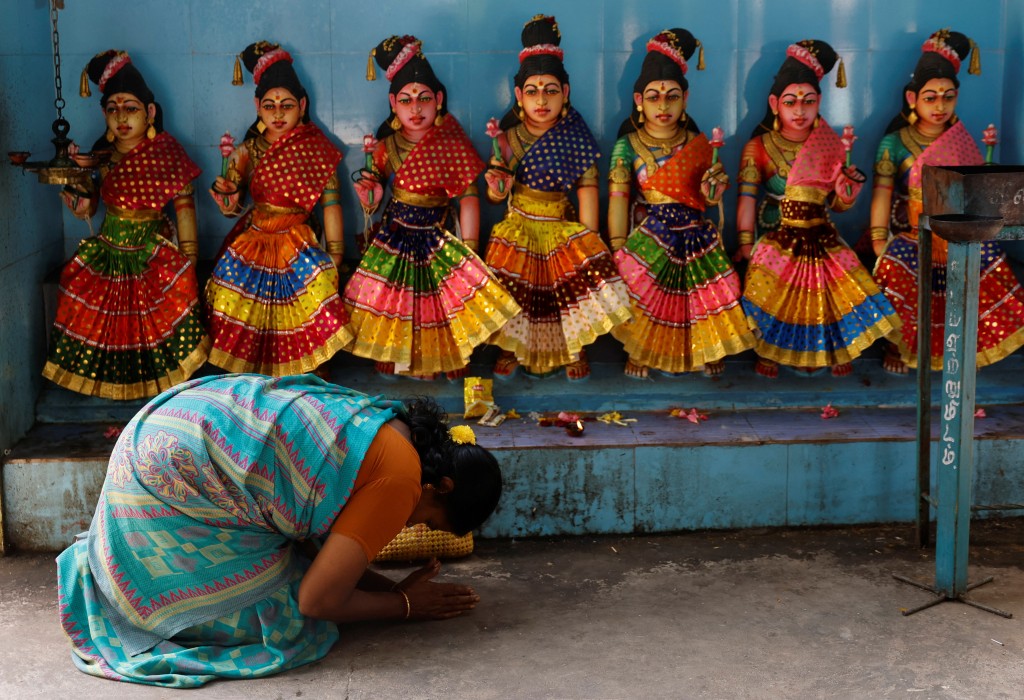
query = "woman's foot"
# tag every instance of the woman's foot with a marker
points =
(767, 368)
(843, 370)
(715, 369)
(635, 371)
(580, 369)
(892, 362)
(506, 366)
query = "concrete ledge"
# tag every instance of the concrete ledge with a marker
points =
(661, 474)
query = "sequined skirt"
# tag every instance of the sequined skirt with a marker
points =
(814, 303)
(685, 291)
(273, 300)
(563, 277)
(420, 298)
(128, 324)
(1000, 301)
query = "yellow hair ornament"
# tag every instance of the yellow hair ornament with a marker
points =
(236, 74)
(462, 435)
(83, 83)
(371, 70)
(700, 55)
(841, 75)
(974, 68)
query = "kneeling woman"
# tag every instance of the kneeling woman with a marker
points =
(190, 571)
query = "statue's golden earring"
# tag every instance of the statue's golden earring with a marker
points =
(395, 123)
(151, 131)
(640, 119)
(565, 110)
(775, 121)
(912, 117)
(520, 112)
(260, 126)
(439, 119)
(109, 136)
(817, 121)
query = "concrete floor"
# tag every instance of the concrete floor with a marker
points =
(747, 614)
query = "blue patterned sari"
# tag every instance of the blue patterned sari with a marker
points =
(188, 572)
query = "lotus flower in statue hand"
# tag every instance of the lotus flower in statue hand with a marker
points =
(227, 145)
(369, 143)
(493, 128)
(848, 138)
(717, 137)
(990, 136)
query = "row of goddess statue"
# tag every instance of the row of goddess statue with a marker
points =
(130, 322)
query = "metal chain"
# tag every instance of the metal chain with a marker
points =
(59, 103)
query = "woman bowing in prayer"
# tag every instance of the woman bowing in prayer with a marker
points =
(193, 567)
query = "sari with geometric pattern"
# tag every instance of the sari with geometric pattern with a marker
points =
(188, 571)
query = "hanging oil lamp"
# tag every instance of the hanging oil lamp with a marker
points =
(64, 168)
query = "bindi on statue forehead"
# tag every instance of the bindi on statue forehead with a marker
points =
(278, 97)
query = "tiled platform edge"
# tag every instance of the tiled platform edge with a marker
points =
(749, 468)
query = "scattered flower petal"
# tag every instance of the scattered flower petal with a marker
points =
(980, 413)
(829, 412)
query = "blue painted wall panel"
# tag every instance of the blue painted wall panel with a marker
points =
(555, 492)
(710, 487)
(832, 483)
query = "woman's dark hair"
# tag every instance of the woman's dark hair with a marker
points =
(473, 469)
(416, 70)
(931, 65)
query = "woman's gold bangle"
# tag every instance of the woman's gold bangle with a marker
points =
(408, 606)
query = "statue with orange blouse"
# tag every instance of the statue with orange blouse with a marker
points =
(814, 303)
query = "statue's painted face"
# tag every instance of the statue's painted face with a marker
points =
(127, 117)
(280, 111)
(542, 97)
(797, 108)
(935, 102)
(416, 105)
(663, 102)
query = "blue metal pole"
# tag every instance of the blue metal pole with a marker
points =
(955, 468)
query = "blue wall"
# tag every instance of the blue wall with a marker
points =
(186, 51)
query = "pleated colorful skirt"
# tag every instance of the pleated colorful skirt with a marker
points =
(1000, 301)
(273, 299)
(420, 298)
(814, 303)
(685, 291)
(128, 323)
(563, 277)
